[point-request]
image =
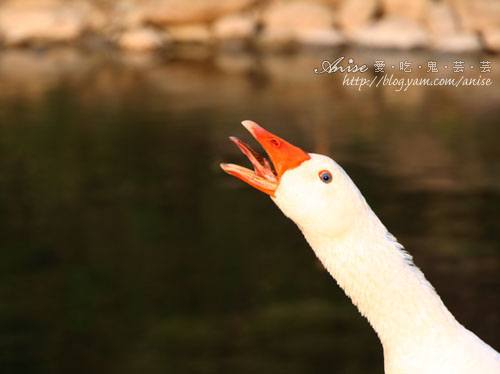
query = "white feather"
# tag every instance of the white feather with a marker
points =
(418, 333)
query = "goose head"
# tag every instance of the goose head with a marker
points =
(311, 189)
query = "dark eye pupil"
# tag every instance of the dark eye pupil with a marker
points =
(326, 177)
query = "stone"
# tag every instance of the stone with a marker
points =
(190, 11)
(411, 9)
(46, 21)
(488, 14)
(354, 14)
(126, 14)
(477, 15)
(298, 15)
(332, 3)
(193, 33)
(134, 13)
(460, 42)
(235, 26)
(491, 39)
(96, 18)
(465, 14)
(392, 32)
(297, 21)
(29, 4)
(441, 20)
(141, 39)
(324, 37)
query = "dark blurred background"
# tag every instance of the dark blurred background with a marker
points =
(125, 249)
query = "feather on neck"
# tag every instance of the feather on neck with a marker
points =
(380, 278)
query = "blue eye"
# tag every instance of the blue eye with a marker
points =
(325, 176)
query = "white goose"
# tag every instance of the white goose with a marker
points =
(418, 333)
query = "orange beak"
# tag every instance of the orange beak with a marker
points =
(284, 156)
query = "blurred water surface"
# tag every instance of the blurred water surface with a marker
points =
(125, 249)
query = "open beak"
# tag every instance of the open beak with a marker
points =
(284, 156)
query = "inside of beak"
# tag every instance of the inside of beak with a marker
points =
(263, 177)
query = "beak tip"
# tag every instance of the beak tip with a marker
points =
(249, 124)
(226, 168)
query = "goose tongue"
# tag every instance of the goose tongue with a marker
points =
(261, 165)
(284, 156)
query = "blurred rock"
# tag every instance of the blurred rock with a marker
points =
(447, 25)
(392, 33)
(325, 37)
(297, 21)
(195, 33)
(47, 20)
(141, 39)
(96, 19)
(332, 3)
(235, 26)
(445, 32)
(491, 39)
(191, 11)
(411, 9)
(126, 14)
(354, 14)
(441, 20)
(134, 13)
(465, 12)
(477, 15)
(460, 42)
(298, 15)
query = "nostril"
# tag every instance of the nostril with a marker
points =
(275, 142)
